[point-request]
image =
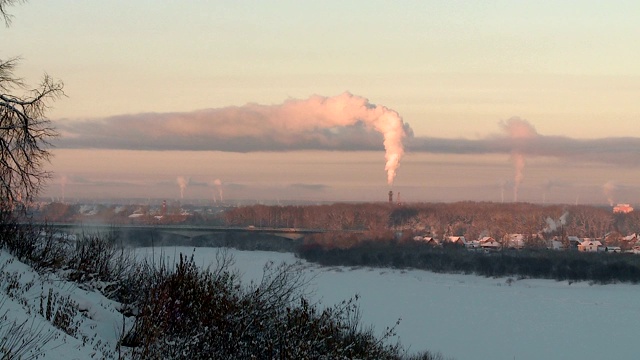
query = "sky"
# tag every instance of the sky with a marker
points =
(338, 100)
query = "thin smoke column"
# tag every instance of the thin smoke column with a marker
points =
(218, 184)
(182, 183)
(502, 183)
(609, 189)
(519, 131)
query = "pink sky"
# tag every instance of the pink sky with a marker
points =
(206, 86)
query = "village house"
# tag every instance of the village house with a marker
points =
(612, 249)
(629, 241)
(588, 245)
(472, 245)
(574, 241)
(555, 243)
(488, 243)
(458, 240)
(427, 239)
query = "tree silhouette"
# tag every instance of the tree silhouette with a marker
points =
(25, 131)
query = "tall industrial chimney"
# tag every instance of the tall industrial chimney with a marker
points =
(390, 196)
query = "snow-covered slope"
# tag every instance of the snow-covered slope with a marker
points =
(92, 321)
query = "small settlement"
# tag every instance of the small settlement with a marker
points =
(611, 243)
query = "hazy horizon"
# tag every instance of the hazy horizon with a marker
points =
(334, 101)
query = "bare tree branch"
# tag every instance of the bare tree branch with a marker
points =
(4, 4)
(25, 133)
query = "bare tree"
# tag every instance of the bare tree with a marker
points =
(4, 4)
(25, 132)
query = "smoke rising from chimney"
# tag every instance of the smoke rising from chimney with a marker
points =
(218, 184)
(343, 122)
(519, 131)
(554, 225)
(610, 189)
(182, 183)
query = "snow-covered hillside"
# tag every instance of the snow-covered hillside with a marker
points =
(92, 322)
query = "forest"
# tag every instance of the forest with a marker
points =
(470, 219)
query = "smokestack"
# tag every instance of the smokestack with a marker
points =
(390, 196)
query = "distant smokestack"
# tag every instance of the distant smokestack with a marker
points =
(390, 196)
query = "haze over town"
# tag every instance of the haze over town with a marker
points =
(491, 101)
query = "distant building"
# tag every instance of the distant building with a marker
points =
(590, 246)
(622, 209)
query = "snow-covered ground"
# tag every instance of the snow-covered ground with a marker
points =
(462, 316)
(93, 320)
(472, 317)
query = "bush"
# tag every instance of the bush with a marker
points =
(202, 314)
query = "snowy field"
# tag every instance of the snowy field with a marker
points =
(471, 317)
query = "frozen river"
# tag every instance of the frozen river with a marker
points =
(472, 317)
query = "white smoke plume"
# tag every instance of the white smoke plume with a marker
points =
(343, 122)
(554, 225)
(182, 183)
(610, 189)
(519, 131)
(218, 184)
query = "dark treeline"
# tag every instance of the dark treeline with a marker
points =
(547, 264)
(470, 219)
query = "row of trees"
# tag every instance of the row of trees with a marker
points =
(471, 219)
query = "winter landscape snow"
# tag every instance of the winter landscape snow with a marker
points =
(461, 316)
(471, 317)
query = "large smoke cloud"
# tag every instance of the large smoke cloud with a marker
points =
(343, 122)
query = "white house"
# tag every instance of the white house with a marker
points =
(589, 245)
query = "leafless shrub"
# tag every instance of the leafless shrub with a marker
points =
(22, 340)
